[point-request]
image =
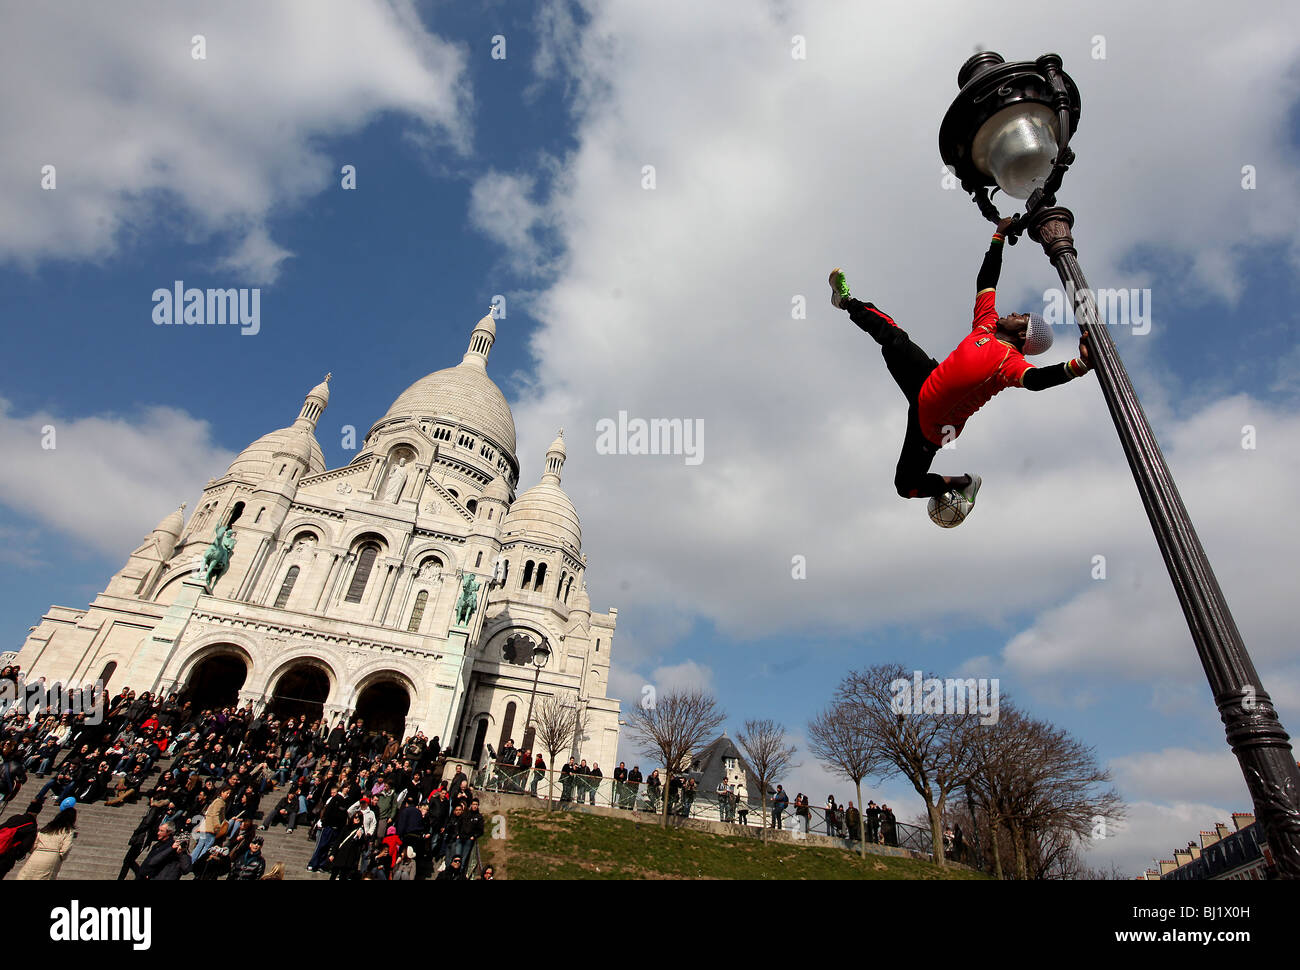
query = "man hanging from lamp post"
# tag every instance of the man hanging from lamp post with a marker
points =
(942, 396)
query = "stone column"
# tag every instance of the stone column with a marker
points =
(263, 595)
(376, 614)
(329, 577)
(385, 614)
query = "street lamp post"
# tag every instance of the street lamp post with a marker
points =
(540, 656)
(1010, 125)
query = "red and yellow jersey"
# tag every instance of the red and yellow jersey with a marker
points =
(979, 368)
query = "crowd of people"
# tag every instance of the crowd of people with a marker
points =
(881, 828)
(841, 821)
(213, 781)
(521, 771)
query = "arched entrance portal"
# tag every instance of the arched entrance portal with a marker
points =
(383, 706)
(301, 692)
(215, 682)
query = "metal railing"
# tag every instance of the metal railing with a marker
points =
(566, 788)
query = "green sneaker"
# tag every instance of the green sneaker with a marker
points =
(970, 491)
(839, 288)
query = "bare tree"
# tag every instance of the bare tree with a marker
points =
(1057, 800)
(932, 749)
(840, 740)
(998, 764)
(672, 726)
(768, 755)
(1045, 789)
(558, 721)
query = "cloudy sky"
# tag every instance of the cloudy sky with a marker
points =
(658, 189)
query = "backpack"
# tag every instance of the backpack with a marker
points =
(10, 837)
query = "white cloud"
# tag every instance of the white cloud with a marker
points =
(257, 258)
(1180, 774)
(129, 118)
(558, 38)
(685, 676)
(1129, 624)
(1151, 832)
(109, 479)
(502, 208)
(676, 302)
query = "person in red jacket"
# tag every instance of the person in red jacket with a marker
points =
(17, 836)
(941, 397)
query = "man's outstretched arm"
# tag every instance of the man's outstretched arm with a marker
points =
(991, 268)
(1041, 378)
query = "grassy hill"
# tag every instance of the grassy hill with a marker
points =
(571, 845)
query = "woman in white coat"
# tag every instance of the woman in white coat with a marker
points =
(53, 843)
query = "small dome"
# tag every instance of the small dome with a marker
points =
(173, 524)
(581, 600)
(488, 323)
(497, 490)
(257, 460)
(545, 512)
(322, 390)
(464, 394)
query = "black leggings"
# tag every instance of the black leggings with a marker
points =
(909, 365)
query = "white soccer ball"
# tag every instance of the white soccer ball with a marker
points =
(948, 510)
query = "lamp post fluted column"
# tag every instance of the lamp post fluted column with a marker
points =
(1253, 730)
(537, 673)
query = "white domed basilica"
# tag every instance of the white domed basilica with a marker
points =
(410, 588)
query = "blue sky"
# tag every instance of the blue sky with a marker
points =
(523, 177)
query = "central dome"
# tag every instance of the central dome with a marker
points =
(464, 394)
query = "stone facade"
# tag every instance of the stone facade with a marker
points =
(341, 594)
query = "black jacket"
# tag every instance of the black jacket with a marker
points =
(163, 862)
(251, 865)
(144, 832)
(347, 853)
(471, 825)
(409, 822)
(335, 813)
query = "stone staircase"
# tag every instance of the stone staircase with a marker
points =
(103, 832)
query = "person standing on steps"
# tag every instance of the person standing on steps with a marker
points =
(53, 843)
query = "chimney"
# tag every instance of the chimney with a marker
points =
(1208, 838)
(1223, 830)
(1242, 819)
(1167, 865)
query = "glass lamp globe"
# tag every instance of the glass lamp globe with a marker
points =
(1016, 147)
(541, 655)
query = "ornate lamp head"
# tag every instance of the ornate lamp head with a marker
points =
(1010, 124)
